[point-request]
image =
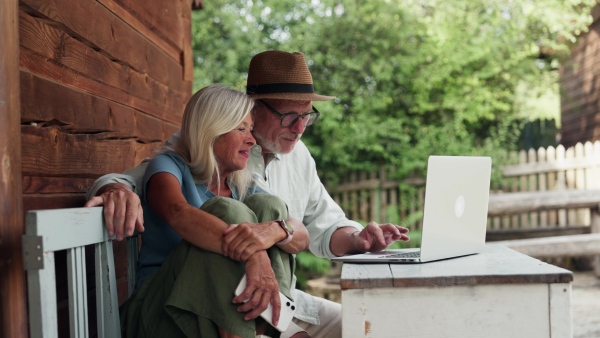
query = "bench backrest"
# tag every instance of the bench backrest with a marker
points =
(48, 231)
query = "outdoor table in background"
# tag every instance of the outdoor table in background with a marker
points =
(497, 293)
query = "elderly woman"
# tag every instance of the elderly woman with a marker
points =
(201, 207)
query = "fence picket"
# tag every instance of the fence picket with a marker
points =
(367, 196)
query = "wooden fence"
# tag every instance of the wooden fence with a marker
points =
(367, 196)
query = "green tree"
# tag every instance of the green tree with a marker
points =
(412, 77)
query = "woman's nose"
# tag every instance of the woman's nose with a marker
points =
(251, 141)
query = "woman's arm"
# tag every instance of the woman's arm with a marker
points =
(243, 240)
(198, 227)
(206, 231)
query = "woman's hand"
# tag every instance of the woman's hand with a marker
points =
(261, 288)
(240, 241)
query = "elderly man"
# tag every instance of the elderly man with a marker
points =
(283, 87)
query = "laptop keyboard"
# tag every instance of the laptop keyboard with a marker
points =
(413, 254)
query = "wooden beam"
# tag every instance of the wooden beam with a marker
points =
(13, 313)
(559, 246)
(48, 151)
(519, 202)
(524, 233)
(546, 167)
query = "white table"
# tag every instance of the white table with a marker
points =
(497, 293)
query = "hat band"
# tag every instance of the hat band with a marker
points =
(273, 88)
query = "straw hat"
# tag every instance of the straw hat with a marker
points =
(281, 75)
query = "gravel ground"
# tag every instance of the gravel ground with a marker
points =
(586, 305)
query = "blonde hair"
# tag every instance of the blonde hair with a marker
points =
(211, 112)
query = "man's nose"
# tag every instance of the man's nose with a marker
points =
(298, 127)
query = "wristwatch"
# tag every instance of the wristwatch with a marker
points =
(288, 230)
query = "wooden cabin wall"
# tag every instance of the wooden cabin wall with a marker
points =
(103, 84)
(580, 89)
(13, 321)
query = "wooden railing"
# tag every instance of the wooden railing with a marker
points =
(372, 195)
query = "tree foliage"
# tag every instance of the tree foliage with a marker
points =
(412, 78)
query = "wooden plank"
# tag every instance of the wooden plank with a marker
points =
(188, 54)
(13, 308)
(364, 276)
(496, 265)
(532, 186)
(560, 246)
(52, 201)
(50, 43)
(353, 321)
(86, 113)
(160, 22)
(42, 300)
(546, 167)
(498, 311)
(500, 204)
(98, 27)
(560, 310)
(48, 185)
(67, 228)
(107, 304)
(542, 186)
(78, 314)
(36, 64)
(51, 152)
(523, 233)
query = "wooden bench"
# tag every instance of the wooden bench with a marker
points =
(573, 245)
(48, 231)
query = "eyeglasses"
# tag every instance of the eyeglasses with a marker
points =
(290, 119)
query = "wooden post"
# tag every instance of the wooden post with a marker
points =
(13, 321)
(595, 229)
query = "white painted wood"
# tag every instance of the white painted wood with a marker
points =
(107, 304)
(545, 167)
(495, 265)
(78, 318)
(132, 258)
(512, 310)
(561, 317)
(497, 293)
(67, 228)
(41, 287)
(72, 229)
(371, 275)
(353, 313)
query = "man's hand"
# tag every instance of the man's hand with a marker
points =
(376, 237)
(122, 209)
(241, 241)
(261, 288)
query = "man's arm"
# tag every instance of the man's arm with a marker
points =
(118, 193)
(122, 209)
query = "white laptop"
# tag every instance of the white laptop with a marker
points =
(455, 216)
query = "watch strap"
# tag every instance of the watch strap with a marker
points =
(284, 226)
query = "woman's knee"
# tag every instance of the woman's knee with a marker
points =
(229, 210)
(267, 207)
